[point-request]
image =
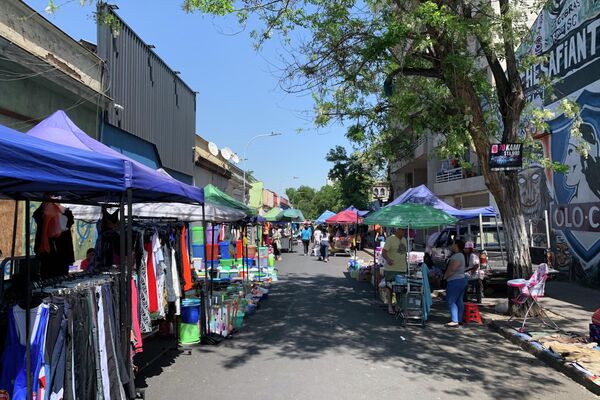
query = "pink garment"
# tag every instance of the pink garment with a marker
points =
(135, 319)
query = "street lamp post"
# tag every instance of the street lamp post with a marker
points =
(246, 151)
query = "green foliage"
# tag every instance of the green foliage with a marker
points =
(313, 202)
(352, 173)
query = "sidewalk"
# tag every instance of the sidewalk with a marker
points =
(571, 307)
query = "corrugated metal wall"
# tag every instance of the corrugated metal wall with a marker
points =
(158, 106)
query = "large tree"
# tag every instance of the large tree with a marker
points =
(400, 69)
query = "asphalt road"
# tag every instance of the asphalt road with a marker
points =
(321, 335)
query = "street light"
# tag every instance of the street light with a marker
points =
(246, 151)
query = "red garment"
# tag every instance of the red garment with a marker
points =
(85, 264)
(152, 295)
(187, 271)
(135, 319)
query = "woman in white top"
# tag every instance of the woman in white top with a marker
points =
(457, 283)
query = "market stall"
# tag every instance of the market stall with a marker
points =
(342, 241)
(412, 290)
(40, 170)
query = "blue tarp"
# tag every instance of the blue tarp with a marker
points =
(31, 167)
(326, 214)
(356, 210)
(154, 186)
(422, 195)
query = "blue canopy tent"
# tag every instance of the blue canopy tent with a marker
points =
(422, 195)
(326, 214)
(32, 168)
(58, 128)
(36, 169)
(356, 210)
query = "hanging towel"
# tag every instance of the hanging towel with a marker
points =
(426, 291)
(187, 271)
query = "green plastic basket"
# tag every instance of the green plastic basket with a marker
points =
(189, 333)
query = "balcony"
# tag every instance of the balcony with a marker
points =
(450, 175)
(470, 181)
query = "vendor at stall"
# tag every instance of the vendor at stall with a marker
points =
(394, 254)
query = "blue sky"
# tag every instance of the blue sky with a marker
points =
(238, 88)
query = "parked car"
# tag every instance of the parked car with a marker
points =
(493, 257)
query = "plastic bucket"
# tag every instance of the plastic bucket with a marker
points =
(224, 250)
(239, 250)
(212, 252)
(271, 260)
(198, 250)
(197, 235)
(252, 251)
(189, 333)
(248, 262)
(190, 311)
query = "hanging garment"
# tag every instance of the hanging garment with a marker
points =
(53, 240)
(159, 262)
(13, 381)
(135, 319)
(187, 271)
(114, 341)
(83, 353)
(152, 290)
(55, 348)
(176, 282)
(145, 321)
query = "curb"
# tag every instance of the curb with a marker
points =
(551, 359)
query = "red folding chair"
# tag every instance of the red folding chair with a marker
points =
(529, 292)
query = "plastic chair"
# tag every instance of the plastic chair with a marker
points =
(529, 292)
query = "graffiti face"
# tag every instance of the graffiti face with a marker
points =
(534, 193)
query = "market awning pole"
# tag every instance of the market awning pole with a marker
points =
(481, 236)
(259, 237)
(123, 276)
(499, 241)
(548, 246)
(28, 298)
(356, 237)
(12, 250)
(128, 284)
(204, 303)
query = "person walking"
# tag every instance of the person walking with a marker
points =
(317, 236)
(457, 282)
(394, 253)
(276, 242)
(380, 236)
(305, 235)
(324, 246)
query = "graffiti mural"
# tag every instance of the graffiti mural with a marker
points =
(575, 213)
(567, 34)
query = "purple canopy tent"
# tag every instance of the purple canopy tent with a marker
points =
(422, 195)
(58, 128)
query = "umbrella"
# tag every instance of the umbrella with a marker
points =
(407, 215)
(344, 217)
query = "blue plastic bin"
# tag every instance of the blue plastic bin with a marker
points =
(198, 251)
(224, 250)
(190, 311)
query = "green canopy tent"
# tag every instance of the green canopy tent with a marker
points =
(417, 216)
(408, 215)
(279, 215)
(215, 196)
(273, 215)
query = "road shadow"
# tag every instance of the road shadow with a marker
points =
(309, 315)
